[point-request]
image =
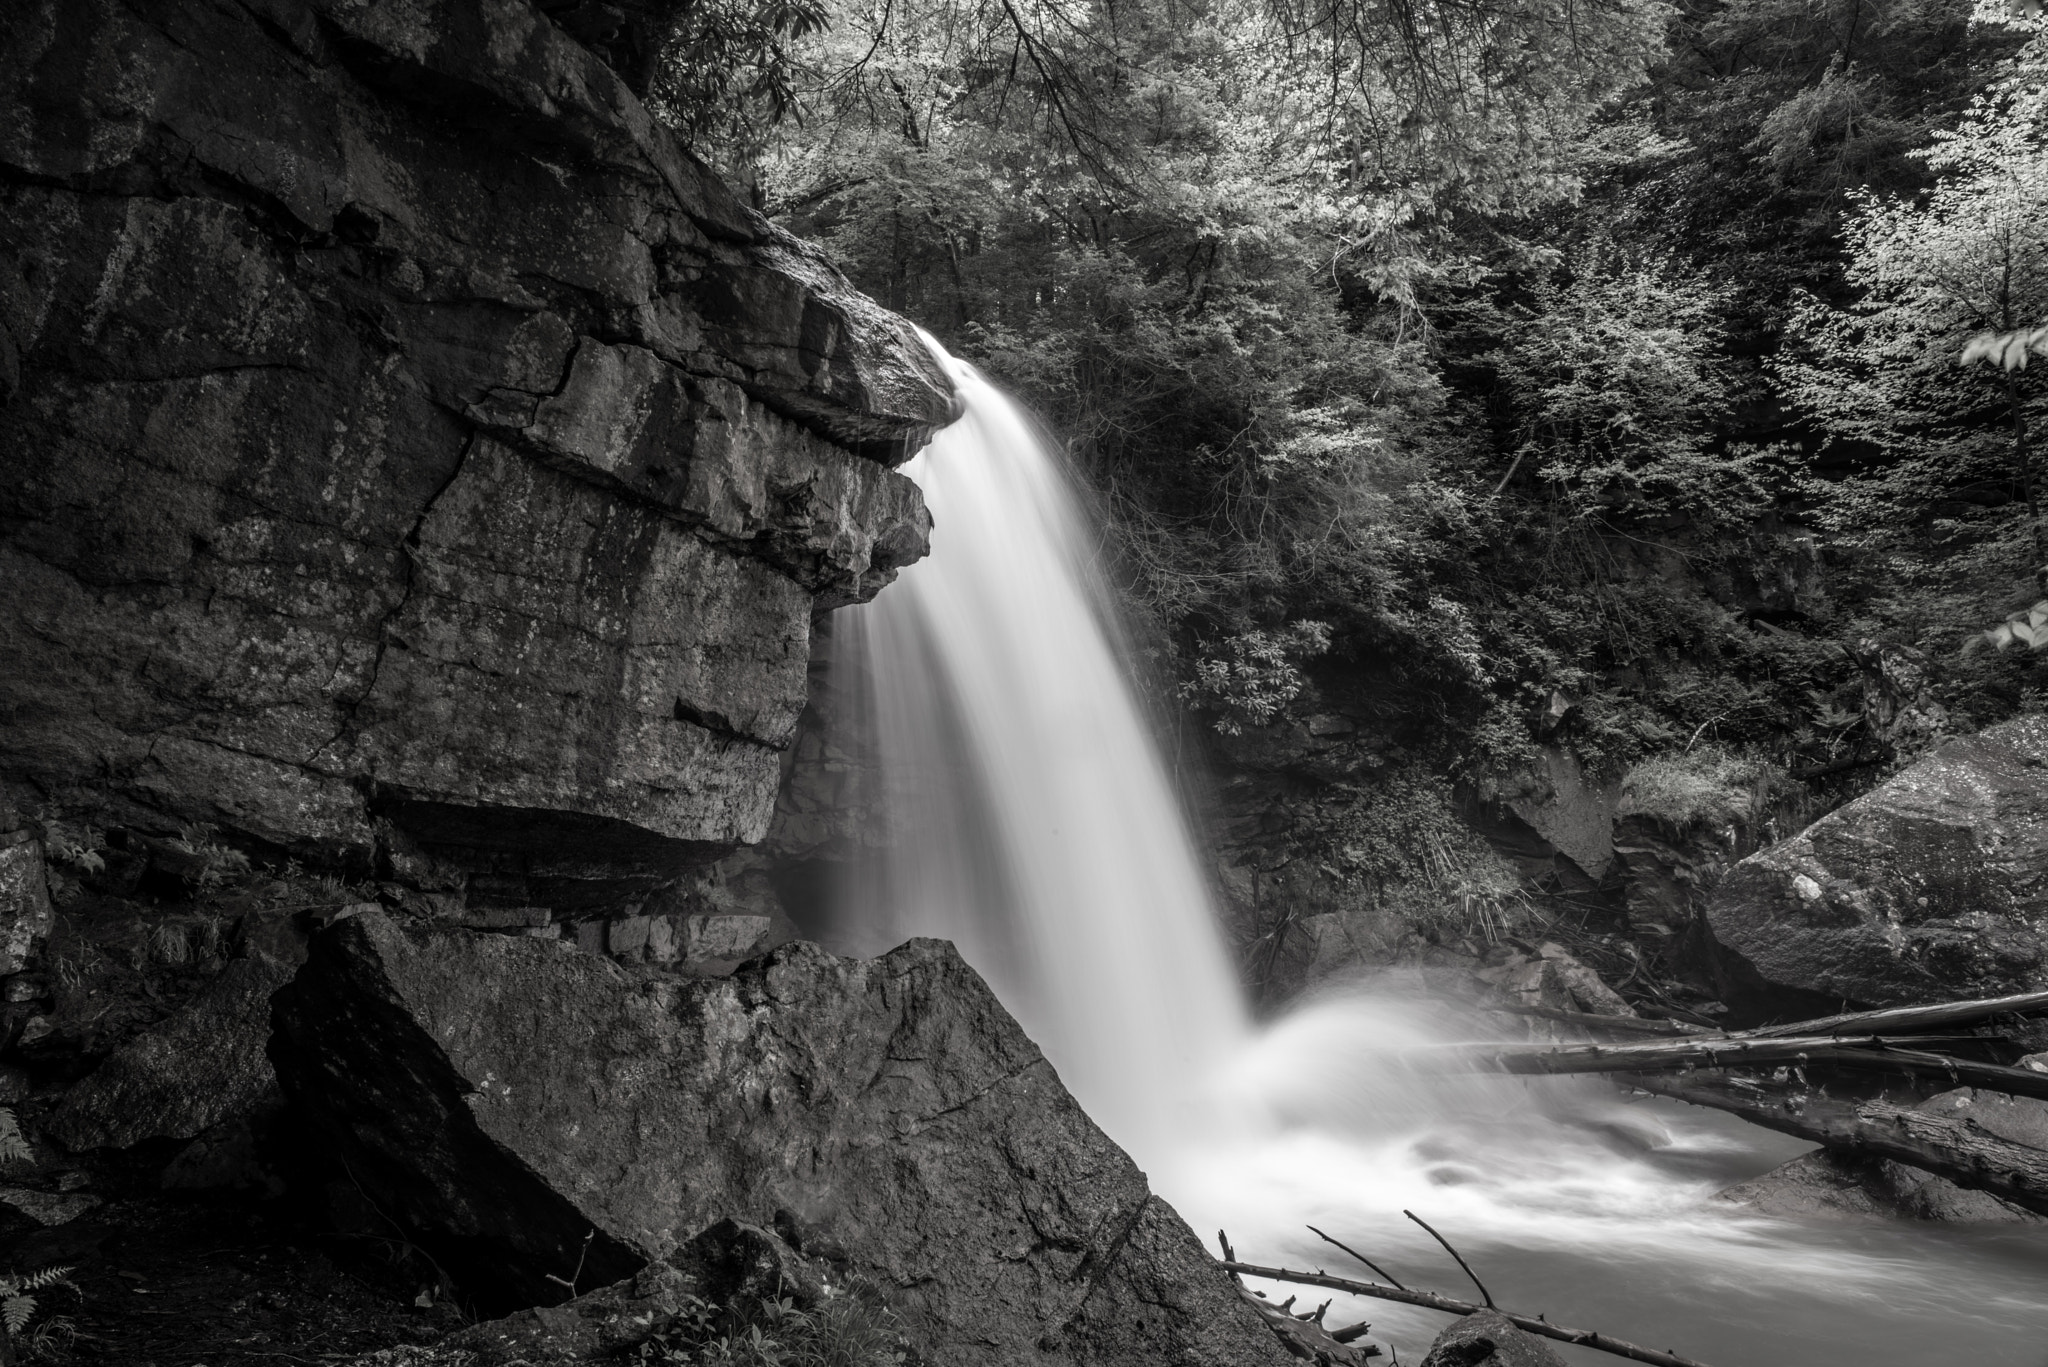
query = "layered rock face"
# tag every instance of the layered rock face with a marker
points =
(411, 458)
(503, 1097)
(1933, 885)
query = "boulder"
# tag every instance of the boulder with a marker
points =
(203, 1067)
(1933, 885)
(1552, 978)
(1831, 1185)
(408, 448)
(1488, 1339)
(508, 1098)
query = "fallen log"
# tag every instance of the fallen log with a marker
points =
(1627, 1025)
(1692, 1051)
(1901, 1020)
(1303, 1336)
(1992, 1077)
(1952, 1147)
(1585, 1338)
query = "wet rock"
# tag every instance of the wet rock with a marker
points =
(1551, 977)
(1933, 885)
(397, 489)
(1487, 1339)
(1826, 1184)
(1570, 809)
(723, 937)
(24, 900)
(204, 1066)
(48, 1208)
(504, 1097)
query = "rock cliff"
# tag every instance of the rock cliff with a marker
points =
(411, 459)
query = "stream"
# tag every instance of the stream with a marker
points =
(1032, 822)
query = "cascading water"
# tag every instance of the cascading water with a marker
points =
(1033, 823)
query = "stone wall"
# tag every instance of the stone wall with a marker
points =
(412, 461)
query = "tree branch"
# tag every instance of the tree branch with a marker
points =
(1585, 1338)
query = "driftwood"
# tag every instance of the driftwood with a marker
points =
(1952, 1147)
(1586, 1338)
(1905, 1020)
(1694, 1051)
(1626, 1025)
(1892, 1020)
(1960, 1072)
(1303, 1336)
(1306, 1338)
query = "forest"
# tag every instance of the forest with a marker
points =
(848, 682)
(1597, 376)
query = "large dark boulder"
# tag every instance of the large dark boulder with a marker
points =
(1932, 885)
(503, 1097)
(405, 443)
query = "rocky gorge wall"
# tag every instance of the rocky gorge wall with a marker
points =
(420, 480)
(414, 461)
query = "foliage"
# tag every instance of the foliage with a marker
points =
(220, 865)
(2028, 627)
(1708, 786)
(14, 1147)
(1255, 674)
(18, 1291)
(728, 68)
(77, 846)
(1944, 493)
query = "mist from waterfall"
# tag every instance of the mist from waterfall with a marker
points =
(1030, 819)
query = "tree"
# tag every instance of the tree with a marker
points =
(1944, 484)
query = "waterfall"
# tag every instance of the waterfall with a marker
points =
(1032, 821)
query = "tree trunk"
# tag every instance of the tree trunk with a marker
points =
(2024, 458)
(1698, 1051)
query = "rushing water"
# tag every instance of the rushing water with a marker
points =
(1033, 824)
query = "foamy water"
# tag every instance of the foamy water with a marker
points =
(1032, 823)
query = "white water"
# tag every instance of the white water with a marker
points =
(1033, 824)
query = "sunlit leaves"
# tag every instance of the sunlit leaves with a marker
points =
(2007, 350)
(2028, 627)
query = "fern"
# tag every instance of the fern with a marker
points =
(17, 1299)
(80, 848)
(14, 1149)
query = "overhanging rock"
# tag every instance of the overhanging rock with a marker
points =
(502, 1097)
(399, 428)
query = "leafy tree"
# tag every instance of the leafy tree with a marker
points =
(1945, 489)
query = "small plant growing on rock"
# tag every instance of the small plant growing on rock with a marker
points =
(14, 1149)
(220, 865)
